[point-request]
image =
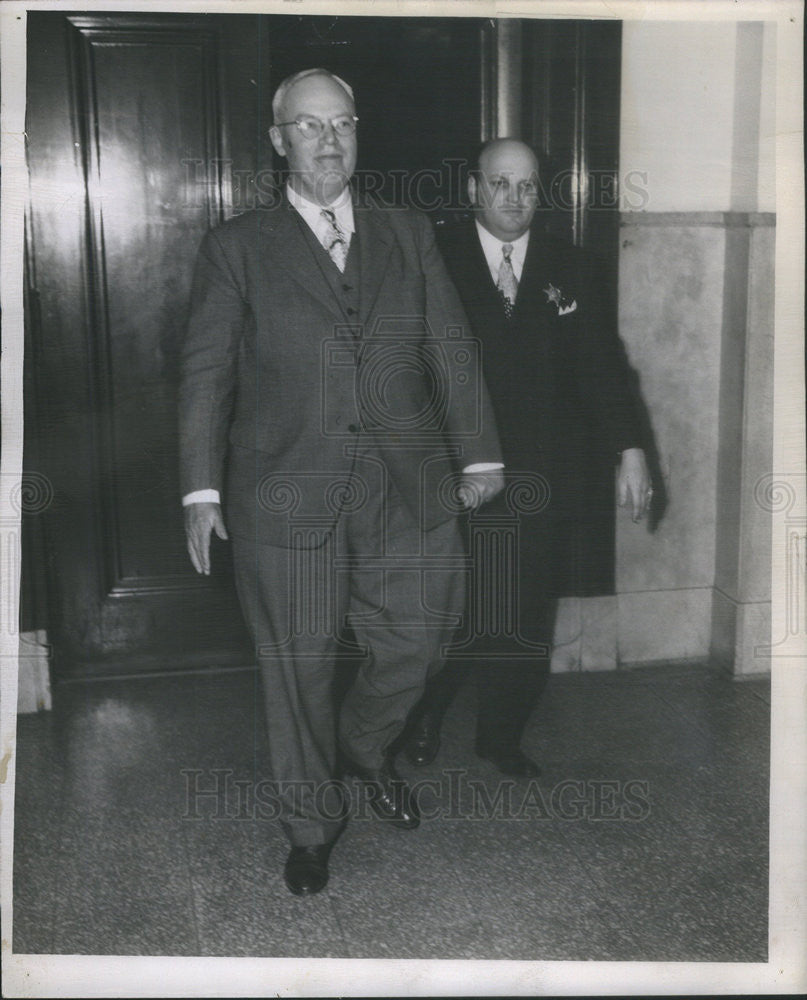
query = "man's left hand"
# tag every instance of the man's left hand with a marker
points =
(476, 488)
(633, 483)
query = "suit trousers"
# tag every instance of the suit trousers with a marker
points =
(401, 590)
(509, 652)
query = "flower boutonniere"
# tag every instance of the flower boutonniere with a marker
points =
(555, 295)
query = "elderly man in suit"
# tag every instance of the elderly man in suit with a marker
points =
(558, 378)
(328, 393)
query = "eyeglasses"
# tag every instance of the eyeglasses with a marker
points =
(312, 128)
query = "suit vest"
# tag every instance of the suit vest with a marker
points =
(343, 284)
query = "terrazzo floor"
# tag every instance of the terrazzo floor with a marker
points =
(645, 838)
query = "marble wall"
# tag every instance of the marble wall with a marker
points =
(696, 316)
(698, 138)
(698, 118)
(742, 595)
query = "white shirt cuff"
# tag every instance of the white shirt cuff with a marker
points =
(201, 496)
(213, 496)
(483, 467)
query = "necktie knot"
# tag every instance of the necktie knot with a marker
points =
(507, 282)
(334, 239)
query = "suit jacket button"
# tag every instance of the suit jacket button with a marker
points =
(347, 288)
(351, 311)
(353, 428)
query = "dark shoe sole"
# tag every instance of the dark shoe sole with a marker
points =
(411, 823)
(530, 770)
(310, 876)
(419, 756)
(304, 890)
(351, 770)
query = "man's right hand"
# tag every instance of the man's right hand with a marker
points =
(476, 488)
(200, 520)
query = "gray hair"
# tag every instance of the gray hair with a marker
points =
(279, 99)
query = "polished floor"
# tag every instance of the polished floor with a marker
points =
(645, 838)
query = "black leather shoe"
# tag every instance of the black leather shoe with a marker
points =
(389, 796)
(306, 870)
(423, 742)
(510, 762)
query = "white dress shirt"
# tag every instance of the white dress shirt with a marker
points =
(312, 215)
(492, 249)
(342, 209)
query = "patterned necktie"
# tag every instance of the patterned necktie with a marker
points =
(334, 239)
(507, 282)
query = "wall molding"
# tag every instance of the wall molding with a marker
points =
(715, 220)
(33, 678)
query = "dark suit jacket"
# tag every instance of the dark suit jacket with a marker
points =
(561, 387)
(283, 382)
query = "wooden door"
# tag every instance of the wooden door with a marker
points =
(570, 115)
(129, 151)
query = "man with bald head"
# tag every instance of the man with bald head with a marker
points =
(561, 389)
(320, 330)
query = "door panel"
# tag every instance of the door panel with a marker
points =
(570, 114)
(148, 137)
(148, 103)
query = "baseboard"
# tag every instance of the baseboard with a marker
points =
(33, 677)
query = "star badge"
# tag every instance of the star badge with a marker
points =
(564, 306)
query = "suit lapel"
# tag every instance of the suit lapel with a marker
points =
(479, 292)
(530, 296)
(286, 245)
(375, 244)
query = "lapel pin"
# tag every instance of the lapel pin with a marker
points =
(555, 295)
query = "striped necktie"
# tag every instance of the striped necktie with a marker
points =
(334, 239)
(507, 282)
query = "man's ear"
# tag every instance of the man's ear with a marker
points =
(472, 189)
(277, 140)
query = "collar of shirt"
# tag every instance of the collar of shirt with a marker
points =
(312, 213)
(492, 249)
